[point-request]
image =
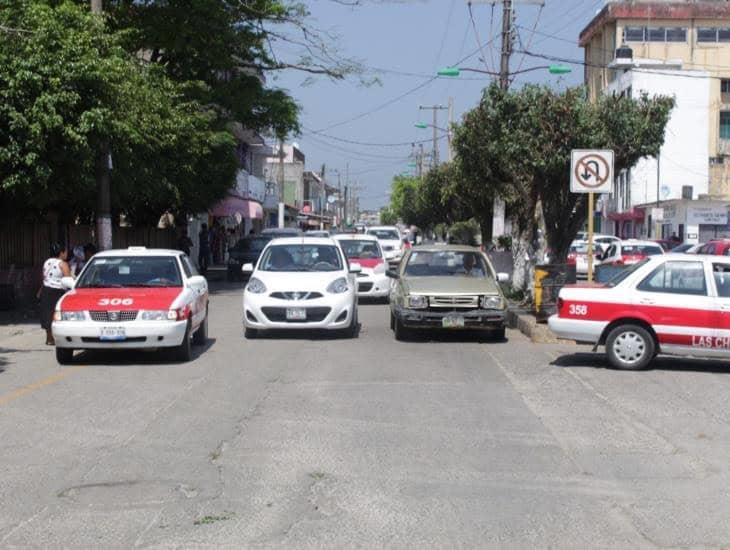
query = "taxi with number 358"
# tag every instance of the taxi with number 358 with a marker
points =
(134, 298)
(674, 304)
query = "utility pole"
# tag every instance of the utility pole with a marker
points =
(450, 133)
(347, 185)
(435, 109)
(506, 44)
(281, 183)
(102, 168)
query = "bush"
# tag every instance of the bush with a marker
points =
(504, 242)
(464, 233)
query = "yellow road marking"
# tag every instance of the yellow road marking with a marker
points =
(25, 390)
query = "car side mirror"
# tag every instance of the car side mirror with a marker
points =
(355, 268)
(502, 277)
(198, 282)
(247, 268)
(392, 274)
(68, 283)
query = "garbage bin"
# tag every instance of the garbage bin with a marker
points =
(549, 279)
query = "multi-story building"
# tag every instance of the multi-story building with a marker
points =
(677, 48)
(284, 173)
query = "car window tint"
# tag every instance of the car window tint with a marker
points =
(186, 267)
(721, 274)
(676, 278)
(190, 269)
(446, 263)
(131, 271)
(301, 257)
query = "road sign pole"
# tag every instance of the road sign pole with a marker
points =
(590, 237)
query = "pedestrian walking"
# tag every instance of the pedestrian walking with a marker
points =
(55, 268)
(203, 248)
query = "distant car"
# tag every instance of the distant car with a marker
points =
(687, 248)
(665, 304)
(317, 233)
(132, 299)
(245, 251)
(277, 232)
(717, 247)
(666, 244)
(630, 251)
(391, 241)
(578, 256)
(365, 250)
(446, 287)
(301, 283)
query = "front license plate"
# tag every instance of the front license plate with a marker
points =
(453, 322)
(112, 334)
(296, 314)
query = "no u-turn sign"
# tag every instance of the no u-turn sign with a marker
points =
(591, 171)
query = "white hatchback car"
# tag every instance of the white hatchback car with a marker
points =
(391, 242)
(301, 283)
(372, 282)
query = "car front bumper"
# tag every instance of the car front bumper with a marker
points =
(473, 319)
(332, 312)
(371, 285)
(146, 334)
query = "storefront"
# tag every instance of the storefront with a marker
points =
(693, 221)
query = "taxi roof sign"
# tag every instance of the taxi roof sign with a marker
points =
(591, 171)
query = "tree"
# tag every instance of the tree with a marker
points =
(387, 216)
(516, 145)
(65, 85)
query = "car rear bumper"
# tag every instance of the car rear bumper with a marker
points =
(473, 319)
(331, 313)
(147, 334)
(576, 329)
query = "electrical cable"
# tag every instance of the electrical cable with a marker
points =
(476, 36)
(529, 41)
(366, 144)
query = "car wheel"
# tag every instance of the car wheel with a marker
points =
(251, 333)
(64, 356)
(351, 330)
(497, 334)
(201, 335)
(402, 333)
(392, 321)
(184, 352)
(630, 347)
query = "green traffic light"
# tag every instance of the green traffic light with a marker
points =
(421, 125)
(559, 69)
(449, 71)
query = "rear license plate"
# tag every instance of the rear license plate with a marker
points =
(453, 321)
(296, 314)
(112, 334)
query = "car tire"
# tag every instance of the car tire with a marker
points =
(184, 352)
(498, 334)
(392, 321)
(64, 356)
(200, 337)
(402, 334)
(351, 330)
(630, 347)
(250, 333)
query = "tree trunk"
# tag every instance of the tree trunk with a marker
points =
(522, 254)
(485, 225)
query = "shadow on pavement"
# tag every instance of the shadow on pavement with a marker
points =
(666, 363)
(456, 337)
(122, 358)
(310, 335)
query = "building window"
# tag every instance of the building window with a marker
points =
(655, 34)
(713, 34)
(725, 86)
(724, 124)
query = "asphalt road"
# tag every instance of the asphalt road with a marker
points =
(300, 442)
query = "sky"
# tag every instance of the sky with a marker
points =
(404, 43)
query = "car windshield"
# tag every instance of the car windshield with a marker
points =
(251, 244)
(447, 263)
(131, 271)
(362, 250)
(640, 250)
(624, 273)
(301, 257)
(385, 234)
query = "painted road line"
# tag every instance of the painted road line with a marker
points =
(25, 390)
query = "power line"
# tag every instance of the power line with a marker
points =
(362, 155)
(366, 144)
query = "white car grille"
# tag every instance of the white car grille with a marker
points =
(113, 316)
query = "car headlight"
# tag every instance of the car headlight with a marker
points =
(492, 302)
(338, 286)
(255, 286)
(417, 302)
(159, 315)
(69, 316)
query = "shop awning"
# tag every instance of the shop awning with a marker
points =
(230, 206)
(635, 214)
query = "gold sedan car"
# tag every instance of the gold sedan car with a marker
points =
(446, 287)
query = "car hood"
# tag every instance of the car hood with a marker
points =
(116, 299)
(449, 285)
(277, 281)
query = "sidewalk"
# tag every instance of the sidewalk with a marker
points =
(19, 321)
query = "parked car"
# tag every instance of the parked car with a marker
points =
(317, 233)
(365, 250)
(687, 248)
(301, 283)
(666, 244)
(391, 241)
(446, 287)
(133, 299)
(245, 251)
(665, 304)
(630, 251)
(277, 232)
(578, 252)
(718, 247)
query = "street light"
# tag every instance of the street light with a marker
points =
(453, 72)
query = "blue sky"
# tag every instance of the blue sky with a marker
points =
(415, 37)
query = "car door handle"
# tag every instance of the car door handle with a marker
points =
(647, 301)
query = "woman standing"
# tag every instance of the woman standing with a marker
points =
(54, 269)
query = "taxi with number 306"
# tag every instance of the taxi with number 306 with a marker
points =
(675, 304)
(134, 298)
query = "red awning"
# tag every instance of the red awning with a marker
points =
(635, 214)
(231, 206)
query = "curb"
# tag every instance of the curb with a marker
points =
(537, 332)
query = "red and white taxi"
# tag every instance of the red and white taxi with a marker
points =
(134, 298)
(673, 304)
(630, 251)
(366, 251)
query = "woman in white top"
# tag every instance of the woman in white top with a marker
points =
(55, 268)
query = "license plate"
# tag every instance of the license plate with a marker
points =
(112, 334)
(296, 314)
(453, 322)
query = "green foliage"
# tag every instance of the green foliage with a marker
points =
(504, 242)
(67, 86)
(464, 233)
(516, 145)
(387, 216)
